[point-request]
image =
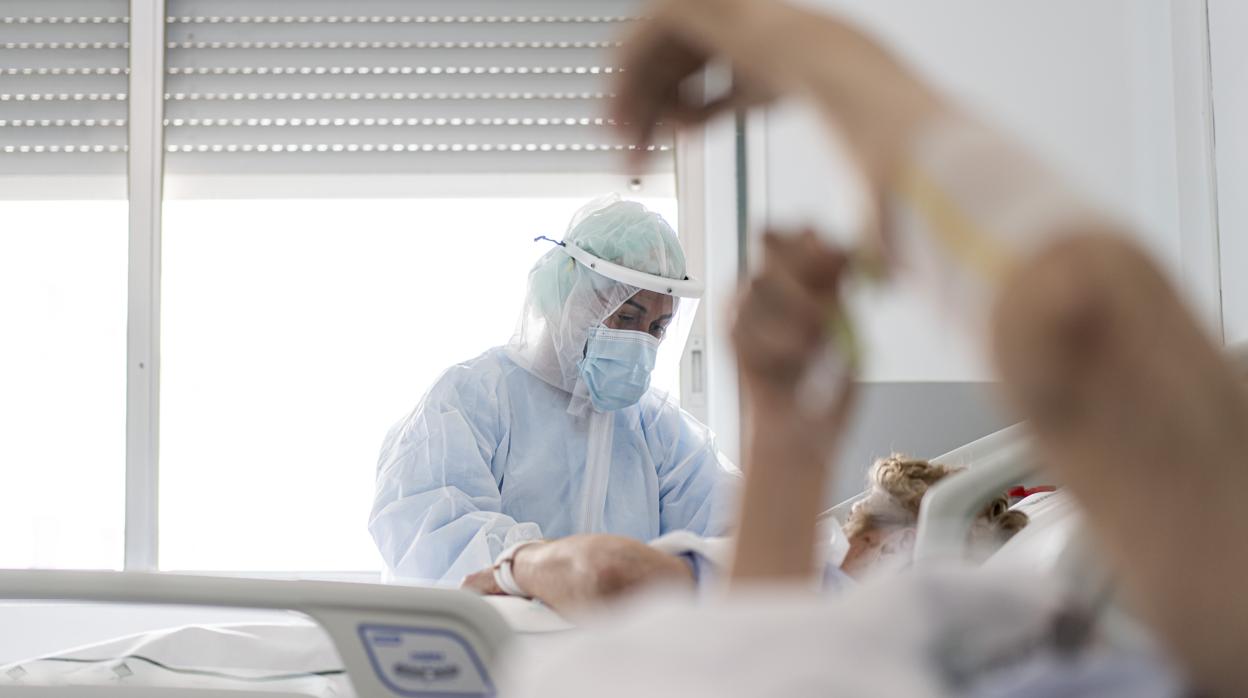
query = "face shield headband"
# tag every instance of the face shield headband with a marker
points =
(680, 288)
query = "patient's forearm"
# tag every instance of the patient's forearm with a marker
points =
(586, 569)
(549, 572)
(784, 487)
(1136, 410)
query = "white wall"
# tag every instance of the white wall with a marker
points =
(1228, 27)
(1087, 85)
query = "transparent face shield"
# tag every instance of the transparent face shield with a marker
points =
(666, 375)
(686, 294)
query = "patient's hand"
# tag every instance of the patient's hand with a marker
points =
(582, 570)
(781, 331)
(775, 49)
(482, 582)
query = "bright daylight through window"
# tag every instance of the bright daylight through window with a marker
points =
(63, 283)
(295, 333)
(350, 208)
(348, 196)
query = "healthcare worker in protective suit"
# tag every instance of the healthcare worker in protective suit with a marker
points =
(557, 432)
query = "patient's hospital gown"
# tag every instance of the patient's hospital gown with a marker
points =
(491, 457)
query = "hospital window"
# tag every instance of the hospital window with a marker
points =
(242, 237)
(350, 207)
(294, 334)
(63, 112)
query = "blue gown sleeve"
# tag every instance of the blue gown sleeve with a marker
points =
(697, 484)
(437, 512)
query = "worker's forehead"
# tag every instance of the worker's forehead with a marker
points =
(650, 300)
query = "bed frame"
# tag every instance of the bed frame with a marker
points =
(393, 640)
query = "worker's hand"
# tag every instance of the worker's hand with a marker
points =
(783, 324)
(774, 49)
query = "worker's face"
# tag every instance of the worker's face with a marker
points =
(646, 311)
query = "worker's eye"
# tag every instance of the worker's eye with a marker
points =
(658, 331)
(626, 319)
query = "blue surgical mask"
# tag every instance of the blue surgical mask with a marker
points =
(617, 366)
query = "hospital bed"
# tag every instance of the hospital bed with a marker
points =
(1052, 545)
(390, 640)
(420, 642)
(406, 641)
(995, 463)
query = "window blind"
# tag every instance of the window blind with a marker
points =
(394, 86)
(63, 83)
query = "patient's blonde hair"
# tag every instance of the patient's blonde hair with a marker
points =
(897, 485)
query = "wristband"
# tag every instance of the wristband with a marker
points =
(504, 575)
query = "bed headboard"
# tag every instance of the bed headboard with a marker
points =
(968, 456)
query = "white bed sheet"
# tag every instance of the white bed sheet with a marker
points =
(287, 657)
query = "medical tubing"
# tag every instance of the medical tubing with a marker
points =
(967, 205)
(819, 387)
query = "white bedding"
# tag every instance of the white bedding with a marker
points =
(279, 653)
(291, 657)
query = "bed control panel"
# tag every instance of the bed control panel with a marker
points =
(425, 662)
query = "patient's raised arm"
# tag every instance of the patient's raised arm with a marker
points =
(1132, 404)
(782, 326)
(1136, 409)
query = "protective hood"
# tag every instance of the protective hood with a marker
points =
(566, 297)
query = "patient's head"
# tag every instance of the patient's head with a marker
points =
(881, 527)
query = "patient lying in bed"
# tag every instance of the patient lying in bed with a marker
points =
(876, 540)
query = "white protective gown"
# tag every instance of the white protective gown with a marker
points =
(507, 447)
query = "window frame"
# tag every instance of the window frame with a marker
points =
(145, 196)
(144, 176)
